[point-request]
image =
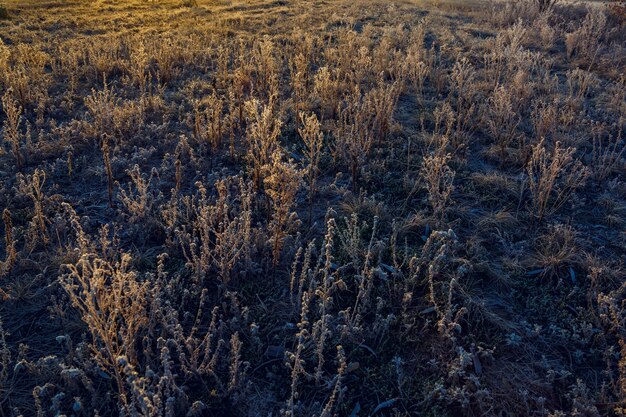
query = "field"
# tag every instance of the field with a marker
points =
(312, 208)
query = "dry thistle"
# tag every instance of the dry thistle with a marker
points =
(295, 360)
(585, 41)
(282, 183)
(217, 235)
(106, 158)
(321, 330)
(32, 186)
(417, 67)
(606, 155)
(138, 199)
(5, 362)
(235, 370)
(553, 178)
(232, 234)
(502, 119)
(326, 87)
(439, 179)
(208, 124)
(11, 254)
(112, 303)
(613, 315)
(417, 73)
(462, 87)
(223, 59)
(178, 175)
(102, 106)
(354, 133)
(544, 117)
(299, 82)
(579, 84)
(313, 139)
(234, 124)
(266, 66)
(366, 279)
(139, 61)
(11, 129)
(262, 137)
(70, 166)
(382, 101)
(336, 395)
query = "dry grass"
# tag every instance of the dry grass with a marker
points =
(459, 167)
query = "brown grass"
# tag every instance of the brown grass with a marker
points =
(460, 166)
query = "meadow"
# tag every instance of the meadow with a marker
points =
(312, 208)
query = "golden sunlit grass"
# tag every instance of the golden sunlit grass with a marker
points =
(312, 208)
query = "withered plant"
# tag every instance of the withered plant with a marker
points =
(553, 176)
(217, 235)
(112, 303)
(32, 186)
(106, 158)
(209, 122)
(461, 86)
(439, 178)
(282, 182)
(11, 129)
(585, 40)
(313, 138)
(299, 82)
(9, 244)
(607, 154)
(502, 119)
(262, 137)
(101, 105)
(139, 198)
(355, 133)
